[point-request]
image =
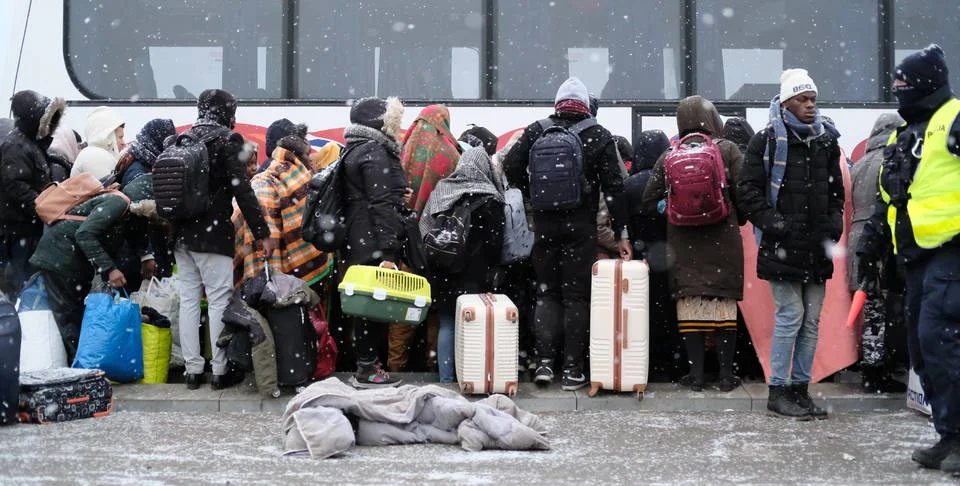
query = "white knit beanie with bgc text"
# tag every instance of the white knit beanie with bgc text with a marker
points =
(794, 82)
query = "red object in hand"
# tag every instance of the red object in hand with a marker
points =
(859, 298)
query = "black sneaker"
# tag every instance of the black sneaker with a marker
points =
(933, 457)
(544, 375)
(573, 379)
(226, 380)
(373, 376)
(194, 380)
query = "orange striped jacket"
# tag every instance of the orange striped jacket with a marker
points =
(282, 190)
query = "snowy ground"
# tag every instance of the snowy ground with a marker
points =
(589, 447)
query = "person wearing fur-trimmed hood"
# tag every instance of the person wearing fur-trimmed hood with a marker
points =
(23, 174)
(376, 191)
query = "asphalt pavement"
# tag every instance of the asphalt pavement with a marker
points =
(589, 447)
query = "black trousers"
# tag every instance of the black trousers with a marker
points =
(65, 294)
(563, 255)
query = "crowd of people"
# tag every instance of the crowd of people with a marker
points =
(785, 179)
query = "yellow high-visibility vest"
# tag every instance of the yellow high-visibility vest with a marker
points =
(934, 204)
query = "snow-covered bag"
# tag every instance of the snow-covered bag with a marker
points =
(40, 342)
(916, 399)
(517, 237)
(41, 347)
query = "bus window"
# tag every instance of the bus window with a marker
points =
(936, 22)
(124, 49)
(620, 49)
(417, 49)
(741, 51)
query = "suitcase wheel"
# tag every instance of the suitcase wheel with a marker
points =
(638, 390)
(466, 388)
(511, 389)
(594, 388)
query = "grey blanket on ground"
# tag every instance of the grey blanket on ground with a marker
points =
(315, 422)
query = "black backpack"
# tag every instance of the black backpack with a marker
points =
(181, 177)
(445, 244)
(556, 166)
(324, 225)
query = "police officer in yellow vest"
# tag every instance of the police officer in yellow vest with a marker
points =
(920, 211)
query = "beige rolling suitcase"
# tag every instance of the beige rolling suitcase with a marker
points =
(619, 326)
(487, 343)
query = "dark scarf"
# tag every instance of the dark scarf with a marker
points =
(916, 110)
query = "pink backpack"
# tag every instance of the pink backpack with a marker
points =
(696, 179)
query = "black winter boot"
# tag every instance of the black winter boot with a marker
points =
(934, 457)
(876, 380)
(695, 344)
(801, 396)
(726, 350)
(780, 403)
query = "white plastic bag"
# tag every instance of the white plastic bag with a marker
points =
(162, 296)
(41, 347)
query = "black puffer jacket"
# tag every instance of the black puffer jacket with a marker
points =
(602, 169)
(24, 169)
(214, 233)
(809, 210)
(374, 186)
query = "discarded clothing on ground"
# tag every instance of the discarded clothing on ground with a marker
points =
(317, 421)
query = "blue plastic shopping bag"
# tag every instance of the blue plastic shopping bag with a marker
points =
(110, 337)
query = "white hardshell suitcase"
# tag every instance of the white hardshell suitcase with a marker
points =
(619, 326)
(487, 343)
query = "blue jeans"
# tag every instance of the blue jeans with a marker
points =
(795, 331)
(446, 358)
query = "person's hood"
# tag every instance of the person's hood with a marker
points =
(738, 131)
(437, 116)
(697, 114)
(277, 130)
(216, 106)
(882, 128)
(153, 134)
(649, 146)
(100, 131)
(65, 143)
(35, 115)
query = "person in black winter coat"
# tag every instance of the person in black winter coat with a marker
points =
(566, 240)
(205, 245)
(648, 231)
(23, 174)
(475, 181)
(375, 189)
(791, 189)
(480, 137)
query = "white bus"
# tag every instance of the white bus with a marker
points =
(495, 63)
